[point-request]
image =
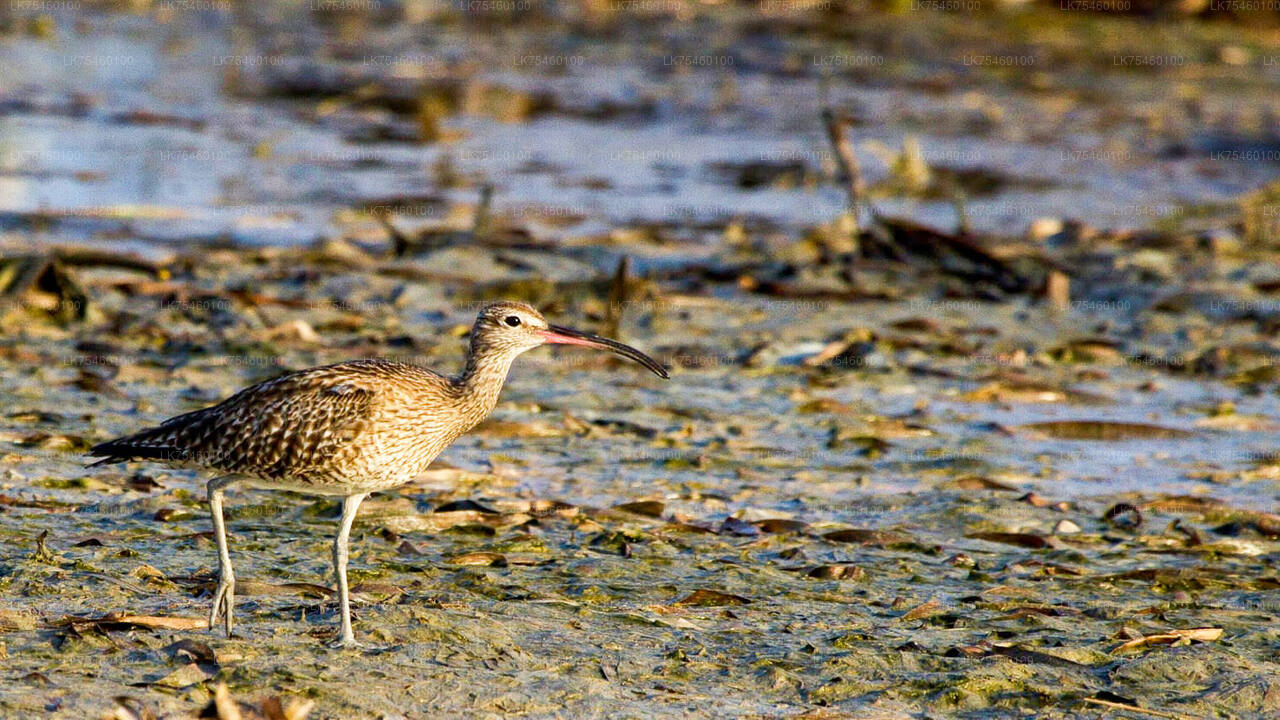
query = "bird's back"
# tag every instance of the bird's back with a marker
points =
(324, 429)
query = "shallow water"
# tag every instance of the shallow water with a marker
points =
(978, 567)
(260, 173)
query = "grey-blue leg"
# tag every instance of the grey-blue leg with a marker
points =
(349, 506)
(224, 598)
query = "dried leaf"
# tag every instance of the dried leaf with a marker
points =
(734, 526)
(256, 587)
(225, 706)
(129, 708)
(298, 709)
(1027, 656)
(193, 651)
(185, 676)
(387, 590)
(710, 598)
(1026, 540)
(486, 559)
(778, 526)
(1035, 500)
(1183, 503)
(1019, 392)
(548, 508)
(123, 621)
(1132, 707)
(977, 482)
(1201, 634)
(1105, 430)
(932, 607)
(878, 538)
(273, 709)
(837, 572)
(647, 508)
(465, 505)
(1120, 510)
(690, 527)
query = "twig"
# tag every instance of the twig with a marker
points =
(399, 241)
(618, 294)
(962, 215)
(1136, 709)
(90, 257)
(483, 222)
(856, 187)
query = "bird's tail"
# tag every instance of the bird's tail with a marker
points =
(150, 444)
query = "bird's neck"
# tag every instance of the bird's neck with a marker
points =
(482, 380)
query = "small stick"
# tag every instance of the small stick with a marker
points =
(482, 226)
(1057, 290)
(848, 162)
(90, 257)
(399, 241)
(962, 213)
(618, 294)
(1135, 708)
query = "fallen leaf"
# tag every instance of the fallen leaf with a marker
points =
(1183, 503)
(1133, 708)
(461, 505)
(1201, 634)
(999, 392)
(486, 559)
(1120, 510)
(878, 538)
(193, 651)
(1104, 430)
(374, 588)
(647, 508)
(548, 508)
(977, 482)
(710, 598)
(185, 676)
(837, 572)
(1034, 657)
(122, 621)
(734, 526)
(1026, 540)
(130, 708)
(255, 587)
(932, 607)
(780, 525)
(273, 709)
(225, 706)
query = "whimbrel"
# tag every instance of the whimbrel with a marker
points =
(345, 430)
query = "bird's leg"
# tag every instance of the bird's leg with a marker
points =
(224, 599)
(349, 506)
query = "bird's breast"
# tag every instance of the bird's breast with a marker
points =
(403, 442)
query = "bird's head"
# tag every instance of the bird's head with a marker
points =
(514, 327)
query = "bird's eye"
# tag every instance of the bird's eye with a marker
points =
(512, 320)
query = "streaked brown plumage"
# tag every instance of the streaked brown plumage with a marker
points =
(347, 429)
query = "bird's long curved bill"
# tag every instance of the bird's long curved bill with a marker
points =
(559, 335)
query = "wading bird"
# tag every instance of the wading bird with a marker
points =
(345, 430)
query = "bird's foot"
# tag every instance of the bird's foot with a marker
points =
(224, 600)
(346, 643)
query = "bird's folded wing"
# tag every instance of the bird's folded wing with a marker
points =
(285, 426)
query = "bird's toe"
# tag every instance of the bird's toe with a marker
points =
(349, 643)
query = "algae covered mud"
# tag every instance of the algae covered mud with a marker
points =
(1005, 448)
